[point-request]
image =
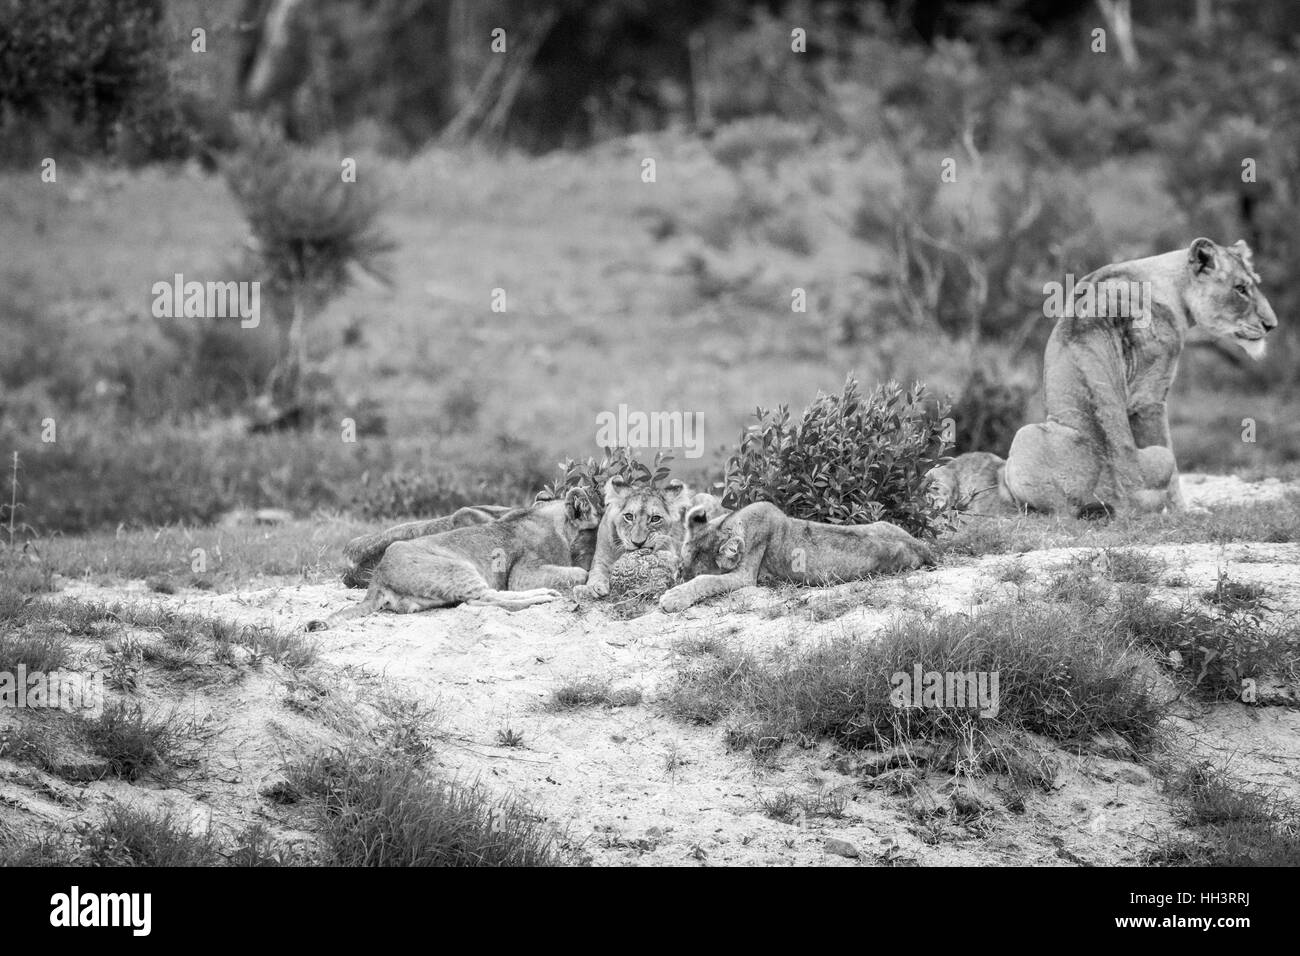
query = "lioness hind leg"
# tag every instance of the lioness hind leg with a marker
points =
(1050, 468)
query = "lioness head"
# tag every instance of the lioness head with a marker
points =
(638, 514)
(1223, 295)
(711, 548)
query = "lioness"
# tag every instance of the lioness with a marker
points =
(637, 518)
(731, 551)
(1105, 446)
(514, 562)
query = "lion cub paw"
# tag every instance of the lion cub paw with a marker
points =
(590, 592)
(674, 600)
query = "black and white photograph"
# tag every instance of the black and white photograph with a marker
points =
(650, 433)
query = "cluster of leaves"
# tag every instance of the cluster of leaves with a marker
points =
(846, 460)
(311, 227)
(987, 414)
(591, 475)
(1214, 654)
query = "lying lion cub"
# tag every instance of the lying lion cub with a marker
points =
(760, 540)
(636, 519)
(363, 552)
(514, 562)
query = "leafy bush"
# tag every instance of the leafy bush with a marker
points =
(312, 230)
(847, 460)
(381, 809)
(591, 475)
(987, 414)
(80, 74)
(1212, 654)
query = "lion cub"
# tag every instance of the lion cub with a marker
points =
(636, 519)
(363, 552)
(731, 552)
(514, 562)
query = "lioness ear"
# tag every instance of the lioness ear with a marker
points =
(1200, 255)
(544, 495)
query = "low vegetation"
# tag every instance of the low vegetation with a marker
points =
(1058, 675)
(379, 809)
(579, 692)
(1231, 824)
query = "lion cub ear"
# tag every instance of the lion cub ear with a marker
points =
(616, 489)
(678, 498)
(576, 504)
(543, 495)
(696, 518)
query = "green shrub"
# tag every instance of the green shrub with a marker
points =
(312, 230)
(591, 475)
(846, 460)
(987, 414)
(1060, 675)
(85, 75)
(1213, 655)
(382, 810)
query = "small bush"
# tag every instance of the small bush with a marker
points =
(988, 414)
(381, 810)
(90, 70)
(1213, 655)
(846, 460)
(1236, 825)
(130, 741)
(591, 692)
(130, 837)
(591, 474)
(1059, 674)
(41, 649)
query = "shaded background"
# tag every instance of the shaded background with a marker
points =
(775, 170)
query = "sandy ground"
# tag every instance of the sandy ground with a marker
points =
(636, 787)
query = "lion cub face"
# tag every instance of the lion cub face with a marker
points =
(644, 517)
(711, 548)
(1223, 295)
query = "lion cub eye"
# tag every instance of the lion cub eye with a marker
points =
(627, 516)
(655, 519)
(1242, 288)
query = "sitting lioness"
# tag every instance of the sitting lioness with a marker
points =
(732, 551)
(636, 518)
(519, 560)
(1105, 446)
